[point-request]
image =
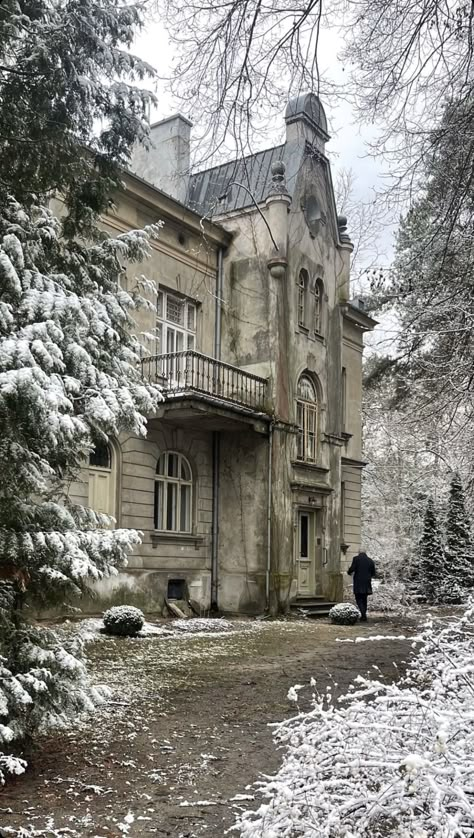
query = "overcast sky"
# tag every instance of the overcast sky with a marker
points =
(346, 147)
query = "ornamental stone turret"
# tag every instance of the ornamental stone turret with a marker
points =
(278, 202)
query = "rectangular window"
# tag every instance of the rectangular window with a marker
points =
(172, 506)
(317, 310)
(175, 331)
(174, 310)
(299, 421)
(304, 527)
(310, 434)
(307, 419)
(301, 303)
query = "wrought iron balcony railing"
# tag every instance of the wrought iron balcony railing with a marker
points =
(187, 372)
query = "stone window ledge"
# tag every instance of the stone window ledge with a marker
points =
(309, 466)
(182, 538)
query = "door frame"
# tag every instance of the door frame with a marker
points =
(315, 550)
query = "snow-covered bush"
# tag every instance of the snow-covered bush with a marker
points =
(389, 597)
(450, 592)
(387, 760)
(344, 614)
(123, 620)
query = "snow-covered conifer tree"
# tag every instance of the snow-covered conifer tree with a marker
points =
(69, 360)
(428, 576)
(70, 107)
(459, 553)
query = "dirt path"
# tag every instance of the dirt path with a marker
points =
(186, 732)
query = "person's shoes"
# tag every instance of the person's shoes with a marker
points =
(363, 619)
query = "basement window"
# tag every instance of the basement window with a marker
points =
(176, 589)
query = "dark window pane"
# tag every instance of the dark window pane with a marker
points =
(172, 465)
(171, 507)
(304, 536)
(159, 505)
(101, 457)
(160, 466)
(185, 512)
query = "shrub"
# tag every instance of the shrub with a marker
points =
(450, 592)
(344, 614)
(123, 620)
(389, 598)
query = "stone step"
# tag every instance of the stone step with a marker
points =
(305, 601)
(312, 606)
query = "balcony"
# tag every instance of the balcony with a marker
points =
(186, 374)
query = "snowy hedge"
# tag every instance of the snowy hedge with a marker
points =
(344, 614)
(388, 760)
(123, 620)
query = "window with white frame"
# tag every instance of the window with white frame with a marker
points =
(102, 478)
(176, 323)
(318, 293)
(302, 293)
(307, 420)
(173, 493)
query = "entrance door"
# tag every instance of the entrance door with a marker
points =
(306, 553)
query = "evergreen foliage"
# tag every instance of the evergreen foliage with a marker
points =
(459, 551)
(430, 286)
(69, 374)
(70, 107)
(123, 620)
(427, 579)
(69, 362)
(344, 614)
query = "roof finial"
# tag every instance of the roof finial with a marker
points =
(278, 184)
(342, 227)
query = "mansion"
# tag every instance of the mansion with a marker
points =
(247, 487)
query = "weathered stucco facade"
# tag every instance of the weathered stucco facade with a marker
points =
(247, 487)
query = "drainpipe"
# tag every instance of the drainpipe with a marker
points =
(269, 518)
(216, 444)
(219, 284)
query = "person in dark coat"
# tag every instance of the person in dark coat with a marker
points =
(363, 571)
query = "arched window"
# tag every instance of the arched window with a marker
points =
(307, 420)
(102, 479)
(173, 493)
(318, 292)
(302, 289)
(101, 456)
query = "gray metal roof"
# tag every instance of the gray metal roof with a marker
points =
(207, 187)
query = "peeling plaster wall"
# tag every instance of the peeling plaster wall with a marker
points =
(243, 522)
(261, 333)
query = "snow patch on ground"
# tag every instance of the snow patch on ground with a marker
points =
(388, 760)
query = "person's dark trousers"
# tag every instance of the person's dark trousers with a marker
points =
(361, 600)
